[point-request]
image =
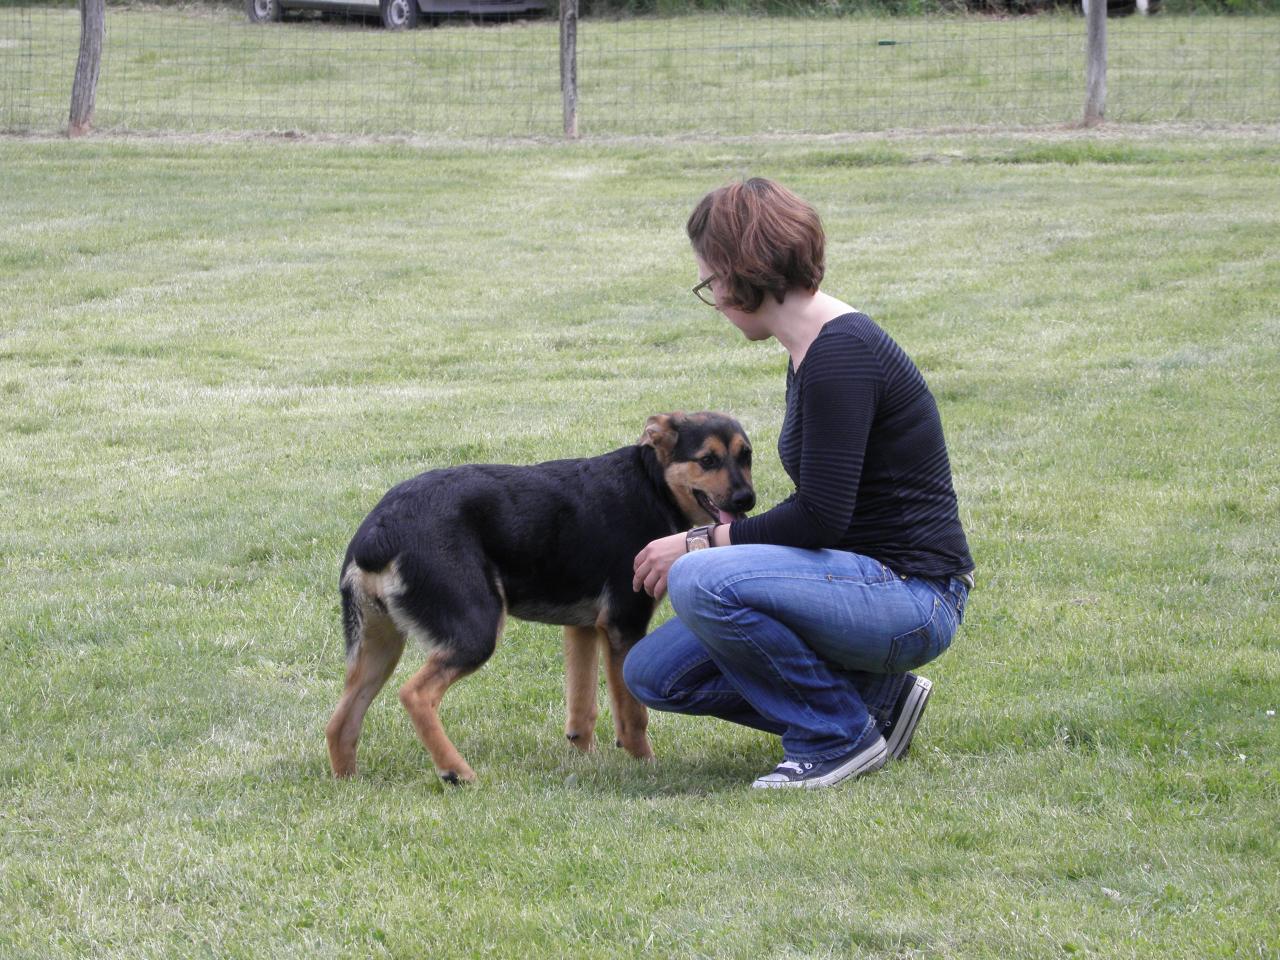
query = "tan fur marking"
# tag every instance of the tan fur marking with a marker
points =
(421, 697)
(679, 477)
(713, 446)
(382, 585)
(630, 717)
(371, 664)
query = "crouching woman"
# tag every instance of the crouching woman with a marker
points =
(806, 620)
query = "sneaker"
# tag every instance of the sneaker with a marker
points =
(825, 773)
(901, 725)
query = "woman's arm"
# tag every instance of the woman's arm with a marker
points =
(653, 563)
(842, 387)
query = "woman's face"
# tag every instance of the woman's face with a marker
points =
(748, 323)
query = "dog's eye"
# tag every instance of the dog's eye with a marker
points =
(709, 462)
(745, 458)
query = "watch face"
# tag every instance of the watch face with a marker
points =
(698, 540)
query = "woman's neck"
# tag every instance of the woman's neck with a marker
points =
(797, 321)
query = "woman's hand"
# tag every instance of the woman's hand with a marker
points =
(653, 562)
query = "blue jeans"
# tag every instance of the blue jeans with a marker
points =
(812, 645)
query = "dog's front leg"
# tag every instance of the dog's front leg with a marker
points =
(630, 718)
(581, 676)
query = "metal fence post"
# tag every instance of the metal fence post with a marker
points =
(84, 90)
(1095, 72)
(569, 65)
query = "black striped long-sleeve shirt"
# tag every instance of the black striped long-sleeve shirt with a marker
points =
(862, 441)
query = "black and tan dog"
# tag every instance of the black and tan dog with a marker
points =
(445, 556)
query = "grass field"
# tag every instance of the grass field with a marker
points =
(214, 358)
(195, 69)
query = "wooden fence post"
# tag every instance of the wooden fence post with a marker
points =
(1095, 71)
(84, 90)
(569, 65)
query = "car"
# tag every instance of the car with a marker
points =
(1127, 8)
(394, 14)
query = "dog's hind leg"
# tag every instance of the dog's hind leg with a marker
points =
(462, 623)
(581, 675)
(421, 697)
(630, 718)
(370, 665)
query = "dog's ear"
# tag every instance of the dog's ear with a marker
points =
(661, 432)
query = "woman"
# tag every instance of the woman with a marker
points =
(804, 620)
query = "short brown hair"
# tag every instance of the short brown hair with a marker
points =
(758, 237)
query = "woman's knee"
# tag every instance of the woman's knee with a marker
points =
(695, 584)
(640, 676)
(664, 668)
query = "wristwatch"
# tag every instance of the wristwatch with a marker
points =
(699, 538)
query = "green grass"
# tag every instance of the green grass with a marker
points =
(209, 70)
(215, 358)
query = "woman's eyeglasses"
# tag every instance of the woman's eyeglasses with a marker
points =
(703, 292)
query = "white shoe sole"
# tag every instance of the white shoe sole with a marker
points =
(865, 761)
(899, 739)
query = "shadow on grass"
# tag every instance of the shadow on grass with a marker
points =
(598, 774)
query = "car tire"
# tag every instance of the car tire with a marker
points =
(399, 14)
(264, 11)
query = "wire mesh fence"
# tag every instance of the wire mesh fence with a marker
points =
(209, 70)
(1194, 69)
(733, 76)
(38, 47)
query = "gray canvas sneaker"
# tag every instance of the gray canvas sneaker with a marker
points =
(826, 773)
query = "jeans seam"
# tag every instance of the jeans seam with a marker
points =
(734, 580)
(674, 683)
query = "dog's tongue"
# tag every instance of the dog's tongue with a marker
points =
(727, 517)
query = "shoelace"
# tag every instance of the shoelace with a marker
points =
(796, 766)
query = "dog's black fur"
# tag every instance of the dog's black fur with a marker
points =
(444, 556)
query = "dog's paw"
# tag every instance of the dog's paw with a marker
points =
(581, 741)
(638, 748)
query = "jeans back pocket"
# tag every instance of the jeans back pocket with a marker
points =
(927, 642)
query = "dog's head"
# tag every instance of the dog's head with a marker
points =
(706, 462)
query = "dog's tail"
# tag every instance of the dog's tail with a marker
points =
(373, 549)
(351, 616)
